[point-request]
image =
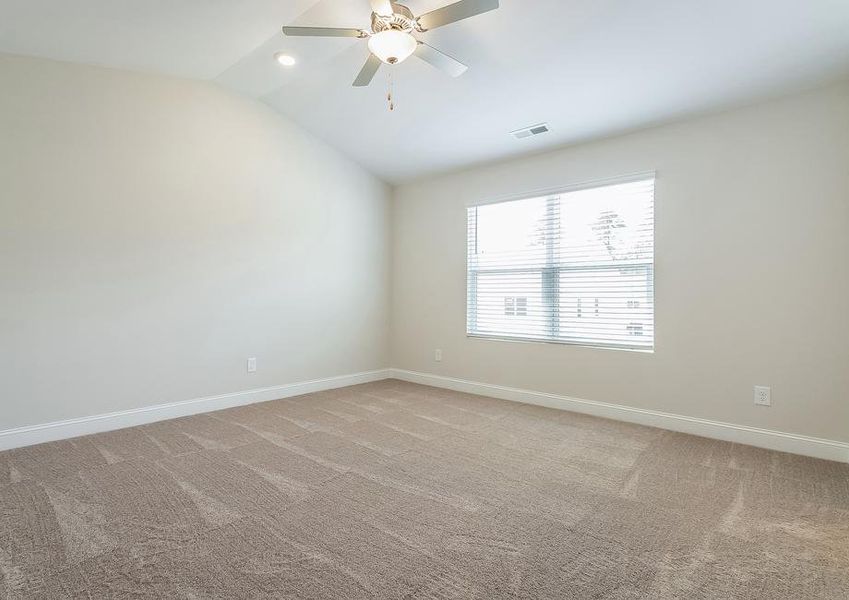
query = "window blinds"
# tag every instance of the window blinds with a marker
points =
(575, 267)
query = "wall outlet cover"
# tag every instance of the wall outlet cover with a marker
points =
(763, 396)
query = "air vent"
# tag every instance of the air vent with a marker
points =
(530, 131)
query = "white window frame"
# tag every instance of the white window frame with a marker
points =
(553, 272)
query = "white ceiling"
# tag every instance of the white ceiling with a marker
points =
(587, 67)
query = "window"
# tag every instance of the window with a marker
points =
(575, 267)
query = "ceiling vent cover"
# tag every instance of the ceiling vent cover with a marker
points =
(530, 131)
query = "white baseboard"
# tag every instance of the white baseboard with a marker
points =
(762, 438)
(60, 430)
(752, 436)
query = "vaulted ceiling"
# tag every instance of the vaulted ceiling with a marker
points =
(589, 68)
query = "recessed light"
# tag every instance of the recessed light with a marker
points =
(285, 59)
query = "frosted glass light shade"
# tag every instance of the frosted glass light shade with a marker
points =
(392, 47)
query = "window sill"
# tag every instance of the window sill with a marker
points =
(521, 340)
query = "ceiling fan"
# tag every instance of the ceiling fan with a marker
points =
(391, 39)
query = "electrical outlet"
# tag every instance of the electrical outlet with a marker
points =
(251, 365)
(437, 355)
(763, 396)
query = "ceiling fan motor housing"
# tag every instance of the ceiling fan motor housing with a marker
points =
(402, 19)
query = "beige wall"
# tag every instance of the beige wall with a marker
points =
(156, 232)
(752, 280)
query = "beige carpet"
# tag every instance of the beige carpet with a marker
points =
(392, 490)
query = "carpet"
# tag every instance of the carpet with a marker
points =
(394, 490)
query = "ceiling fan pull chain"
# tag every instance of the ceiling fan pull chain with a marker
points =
(389, 95)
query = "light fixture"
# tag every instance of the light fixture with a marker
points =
(392, 46)
(285, 59)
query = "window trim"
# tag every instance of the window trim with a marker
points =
(573, 344)
(471, 281)
(566, 189)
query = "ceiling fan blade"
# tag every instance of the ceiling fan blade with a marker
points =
(382, 8)
(440, 60)
(368, 71)
(324, 32)
(455, 12)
